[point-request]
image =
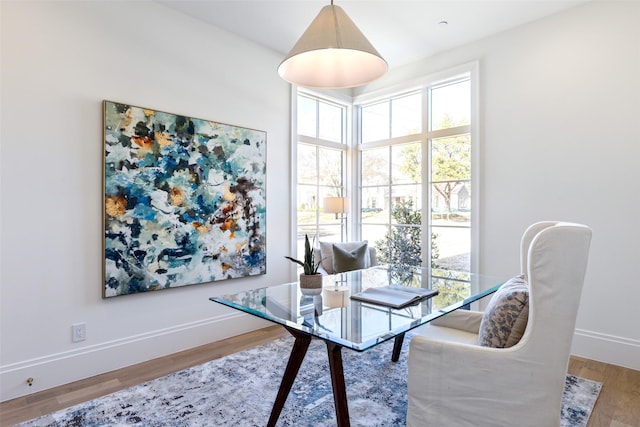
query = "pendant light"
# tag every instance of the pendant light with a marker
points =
(332, 53)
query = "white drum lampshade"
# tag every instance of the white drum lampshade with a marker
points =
(336, 205)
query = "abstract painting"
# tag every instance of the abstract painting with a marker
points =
(184, 200)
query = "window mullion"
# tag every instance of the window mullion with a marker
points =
(317, 206)
(426, 180)
(448, 132)
(321, 142)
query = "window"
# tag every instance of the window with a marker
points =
(415, 157)
(391, 177)
(449, 142)
(408, 170)
(321, 153)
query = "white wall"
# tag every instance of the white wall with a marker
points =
(559, 106)
(59, 61)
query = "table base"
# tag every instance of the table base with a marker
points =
(334, 353)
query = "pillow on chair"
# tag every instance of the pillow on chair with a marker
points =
(326, 252)
(506, 316)
(347, 260)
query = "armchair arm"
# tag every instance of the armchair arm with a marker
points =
(465, 320)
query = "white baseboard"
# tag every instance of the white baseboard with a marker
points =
(606, 348)
(62, 368)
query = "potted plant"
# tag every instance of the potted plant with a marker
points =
(310, 278)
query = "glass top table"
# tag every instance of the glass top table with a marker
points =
(331, 315)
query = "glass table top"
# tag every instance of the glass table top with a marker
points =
(330, 314)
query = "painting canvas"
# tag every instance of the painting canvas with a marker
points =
(184, 200)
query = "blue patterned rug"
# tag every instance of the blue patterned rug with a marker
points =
(238, 390)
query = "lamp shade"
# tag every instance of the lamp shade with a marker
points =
(336, 204)
(336, 296)
(332, 53)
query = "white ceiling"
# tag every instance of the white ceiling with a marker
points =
(402, 31)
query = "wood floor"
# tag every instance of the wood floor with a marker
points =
(618, 404)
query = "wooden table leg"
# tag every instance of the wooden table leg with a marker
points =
(337, 381)
(298, 352)
(397, 347)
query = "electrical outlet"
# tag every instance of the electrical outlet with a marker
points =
(78, 332)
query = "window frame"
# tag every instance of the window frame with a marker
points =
(425, 137)
(319, 143)
(352, 172)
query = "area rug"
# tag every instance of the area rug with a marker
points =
(239, 390)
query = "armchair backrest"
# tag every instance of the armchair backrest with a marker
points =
(525, 242)
(554, 261)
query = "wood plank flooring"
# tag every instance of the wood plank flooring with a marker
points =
(618, 404)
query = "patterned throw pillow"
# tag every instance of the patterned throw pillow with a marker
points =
(348, 260)
(505, 318)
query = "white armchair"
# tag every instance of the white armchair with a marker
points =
(453, 381)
